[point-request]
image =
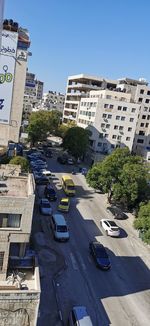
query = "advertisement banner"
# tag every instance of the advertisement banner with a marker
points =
(7, 67)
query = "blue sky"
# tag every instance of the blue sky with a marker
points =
(108, 38)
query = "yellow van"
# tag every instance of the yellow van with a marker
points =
(68, 185)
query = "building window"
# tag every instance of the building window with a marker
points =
(140, 99)
(114, 137)
(99, 144)
(123, 118)
(120, 127)
(141, 133)
(107, 126)
(111, 106)
(129, 129)
(119, 137)
(102, 125)
(109, 116)
(133, 110)
(128, 138)
(143, 116)
(124, 108)
(117, 117)
(100, 135)
(140, 141)
(119, 108)
(108, 96)
(106, 135)
(1, 259)
(141, 91)
(10, 220)
(147, 100)
(104, 115)
(131, 119)
(142, 124)
(146, 125)
(145, 109)
(115, 127)
(93, 114)
(148, 92)
(106, 106)
(148, 117)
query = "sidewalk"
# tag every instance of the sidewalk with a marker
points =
(51, 263)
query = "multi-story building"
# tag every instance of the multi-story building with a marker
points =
(33, 93)
(117, 112)
(78, 87)
(19, 275)
(111, 117)
(14, 54)
(53, 101)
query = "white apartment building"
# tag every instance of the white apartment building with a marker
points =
(53, 101)
(111, 117)
(14, 54)
(78, 87)
(117, 112)
(1, 18)
(19, 274)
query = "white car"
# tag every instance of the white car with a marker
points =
(46, 173)
(110, 227)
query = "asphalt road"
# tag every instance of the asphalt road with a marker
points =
(120, 296)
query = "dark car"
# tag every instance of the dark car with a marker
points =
(42, 180)
(62, 160)
(117, 213)
(48, 153)
(45, 207)
(50, 193)
(100, 255)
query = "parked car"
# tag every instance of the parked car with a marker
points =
(48, 153)
(110, 227)
(98, 251)
(79, 316)
(64, 204)
(117, 213)
(42, 180)
(50, 193)
(45, 207)
(59, 227)
(47, 173)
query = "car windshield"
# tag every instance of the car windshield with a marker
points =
(62, 228)
(115, 228)
(45, 205)
(70, 187)
(64, 203)
(101, 253)
(112, 223)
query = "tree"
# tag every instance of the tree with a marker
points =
(19, 160)
(63, 128)
(41, 124)
(123, 176)
(142, 222)
(76, 141)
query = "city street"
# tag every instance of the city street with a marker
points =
(120, 296)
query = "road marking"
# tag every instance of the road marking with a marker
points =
(74, 263)
(81, 262)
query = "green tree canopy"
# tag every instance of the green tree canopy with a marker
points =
(142, 222)
(19, 160)
(123, 176)
(76, 141)
(41, 124)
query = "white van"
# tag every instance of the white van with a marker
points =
(59, 227)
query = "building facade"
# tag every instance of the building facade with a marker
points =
(33, 93)
(14, 54)
(116, 112)
(19, 275)
(1, 18)
(53, 101)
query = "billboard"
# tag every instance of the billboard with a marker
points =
(7, 68)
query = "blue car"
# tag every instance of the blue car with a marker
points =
(99, 253)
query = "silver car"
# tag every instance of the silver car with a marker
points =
(79, 316)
